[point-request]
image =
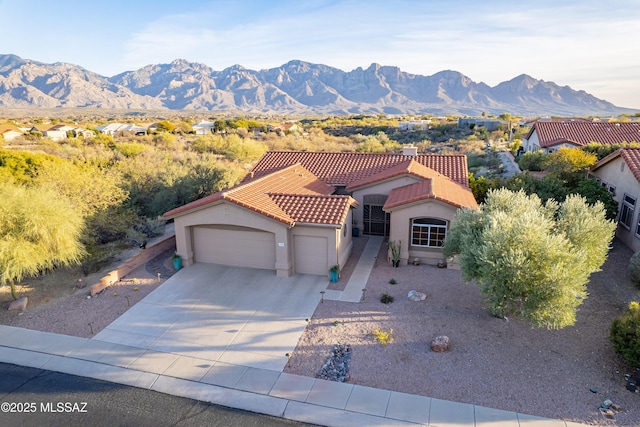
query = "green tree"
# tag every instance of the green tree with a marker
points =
(531, 259)
(165, 126)
(531, 161)
(480, 185)
(569, 164)
(38, 231)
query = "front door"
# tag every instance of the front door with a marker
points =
(376, 221)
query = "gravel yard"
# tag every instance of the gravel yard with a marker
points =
(492, 362)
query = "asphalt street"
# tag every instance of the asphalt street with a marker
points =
(36, 397)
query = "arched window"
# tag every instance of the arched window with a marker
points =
(428, 232)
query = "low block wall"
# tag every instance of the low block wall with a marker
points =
(141, 258)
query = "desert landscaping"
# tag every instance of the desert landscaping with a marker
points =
(499, 363)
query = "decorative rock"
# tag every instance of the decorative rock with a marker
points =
(416, 296)
(20, 304)
(441, 343)
(336, 368)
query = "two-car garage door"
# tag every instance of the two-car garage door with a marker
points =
(236, 246)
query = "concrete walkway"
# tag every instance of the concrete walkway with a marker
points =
(209, 333)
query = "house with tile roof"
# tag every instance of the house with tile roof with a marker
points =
(551, 135)
(620, 173)
(10, 132)
(295, 212)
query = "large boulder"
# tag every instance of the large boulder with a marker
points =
(19, 305)
(416, 296)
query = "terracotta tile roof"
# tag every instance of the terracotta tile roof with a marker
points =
(346, 168)
(280, 196)
(631, 157)
(582, 133)
(314, 209)
(437, 187)
(406, 167)
(7, 128)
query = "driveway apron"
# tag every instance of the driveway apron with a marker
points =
(240, 316)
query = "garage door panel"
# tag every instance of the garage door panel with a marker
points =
(310, 254)
(236, 247)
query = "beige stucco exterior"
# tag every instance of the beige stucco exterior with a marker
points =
(401, 218)
(227, 216)
(616, 173)
(381, 188)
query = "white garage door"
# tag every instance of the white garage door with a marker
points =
(310, 255)
(240, 247)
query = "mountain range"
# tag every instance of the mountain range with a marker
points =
(296, 87)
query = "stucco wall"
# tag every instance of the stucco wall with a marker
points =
(617, 173)
(230, 214)
(383, 187)
(344, 238)
(401, 229)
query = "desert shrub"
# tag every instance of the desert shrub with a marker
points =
(393, 281)
(130, 149)
(634, 268)
(531, 161)
(109, 225)
(382, 336)
(386, 298)
(625, 334)
(151, 227)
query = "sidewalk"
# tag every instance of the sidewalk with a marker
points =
(239, 382)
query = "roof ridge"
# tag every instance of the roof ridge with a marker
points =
(262, 178)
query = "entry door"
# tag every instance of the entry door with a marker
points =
(376, 221)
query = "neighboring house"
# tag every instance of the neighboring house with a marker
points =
(9, 132)
(295, 211)
(551, 135)
(620, 173)
(414, 124)
(84, 133)
(291, 127)
(115, 129)
(49, 132)
(488, 124)
(203, 127)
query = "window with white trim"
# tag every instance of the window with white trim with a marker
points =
(428, 232)
(626, 211)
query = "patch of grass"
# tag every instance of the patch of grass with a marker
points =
(393, 281)
(386, 298)
(382, 336)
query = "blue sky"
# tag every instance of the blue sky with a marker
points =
(588, 45)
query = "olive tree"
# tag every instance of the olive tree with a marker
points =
(38, 231)
(531, 259)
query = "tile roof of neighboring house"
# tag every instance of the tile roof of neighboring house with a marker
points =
(346, 168)
(437, 187)
(9, 128)
(582, 133)
(631, 157)
(290, 195)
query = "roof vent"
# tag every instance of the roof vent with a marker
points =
(409, 150)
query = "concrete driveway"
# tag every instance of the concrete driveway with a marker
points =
(240, 316)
